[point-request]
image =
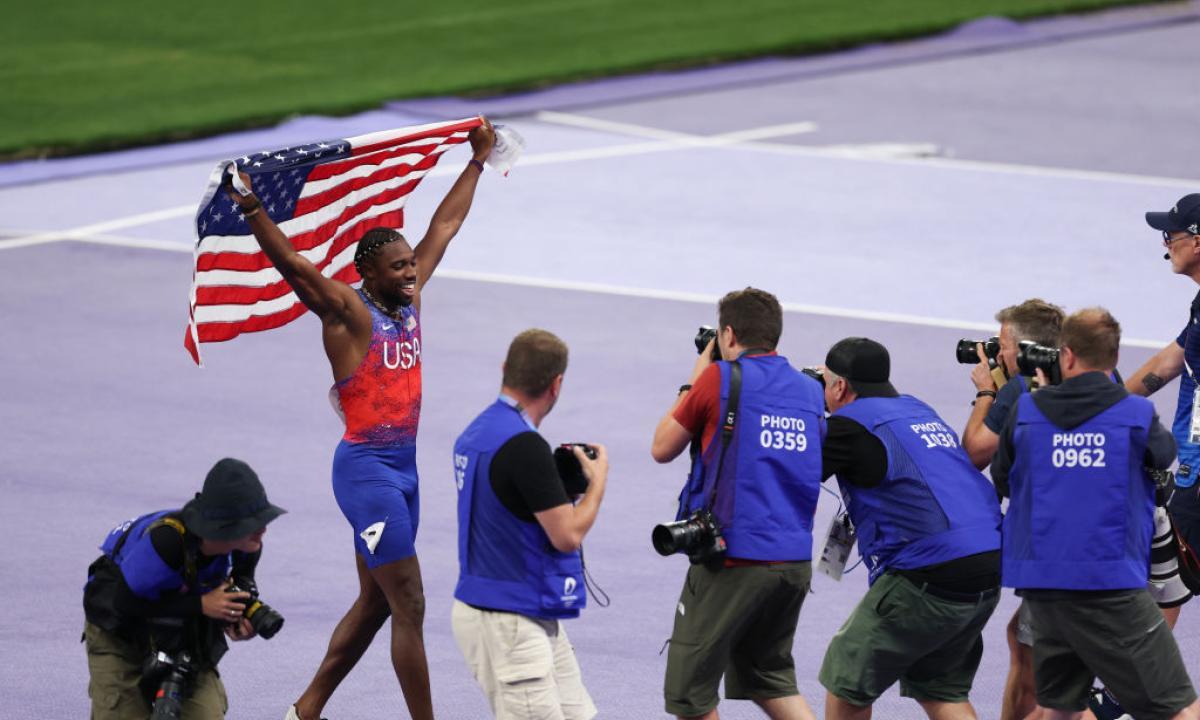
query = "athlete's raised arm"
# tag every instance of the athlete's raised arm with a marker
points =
(449, 216)
(329, 299)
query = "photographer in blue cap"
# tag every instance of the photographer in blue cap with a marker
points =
(167, 591)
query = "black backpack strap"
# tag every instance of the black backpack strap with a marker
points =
(728, 423)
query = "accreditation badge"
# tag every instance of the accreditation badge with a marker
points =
(838, 543)
(1194, 430)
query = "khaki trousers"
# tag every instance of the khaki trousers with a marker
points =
(526, 666)
(115, 666)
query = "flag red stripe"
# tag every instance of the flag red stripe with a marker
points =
(315, 202)
(438, 132)
(311, 239)
(222, 331)
(337, 167)
(248, 295)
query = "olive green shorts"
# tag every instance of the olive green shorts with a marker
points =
(738, 622)
(115, 667)
(1121, 638)
(899, 631)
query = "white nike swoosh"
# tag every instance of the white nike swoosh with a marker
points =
(388, 327)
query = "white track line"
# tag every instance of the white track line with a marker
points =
(667, 140)
(861, 152)
(635, 292)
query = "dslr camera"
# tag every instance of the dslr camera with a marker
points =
(703, 336)
(168, 678)
(265, 619)
(569, 469)
(965, 350)
(1031, 357)
(699, 537)
(815, 373)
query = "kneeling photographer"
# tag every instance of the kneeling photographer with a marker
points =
(520, 537)
(998, 379)
(169, 588)
(745, 516)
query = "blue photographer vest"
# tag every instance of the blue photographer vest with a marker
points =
(768, 491)
(933, 506)
(506, 563)
(146, 573)
(1081, 514)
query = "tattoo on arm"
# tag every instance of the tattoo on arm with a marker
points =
(1153, 382)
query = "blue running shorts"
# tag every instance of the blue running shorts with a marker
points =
(376, 488)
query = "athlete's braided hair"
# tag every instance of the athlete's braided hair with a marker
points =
(370, 244)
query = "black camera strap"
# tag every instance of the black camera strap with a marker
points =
(729, 422)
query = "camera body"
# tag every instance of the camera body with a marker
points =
(169, 680)
(265, 619)
(815, 373)
(1031, 357)
(569, 469)
(965, 350)
(705, 335)
(698, 536)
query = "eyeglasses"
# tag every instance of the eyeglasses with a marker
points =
(1167, 239)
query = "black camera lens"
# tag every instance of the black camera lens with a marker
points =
(670, 538)
(815, 373)
(964, 351)
(699, 537)
(265, 619)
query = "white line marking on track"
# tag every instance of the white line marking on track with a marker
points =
(636, 292)
(856, 152)
(668, 140)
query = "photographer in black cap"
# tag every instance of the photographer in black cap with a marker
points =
(163, 589)
(928, 526)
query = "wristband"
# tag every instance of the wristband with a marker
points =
(250, 210)
(987, 393)
(684, 388)
(477, 164)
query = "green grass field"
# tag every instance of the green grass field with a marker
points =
(80, 76)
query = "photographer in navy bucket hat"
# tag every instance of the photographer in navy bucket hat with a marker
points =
(168, 590)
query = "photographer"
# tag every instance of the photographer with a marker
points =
(928, 527)
(738, 609)
(1078, 530)
(163, 586)
(519, 542)
(1035, 320)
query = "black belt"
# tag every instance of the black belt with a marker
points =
(957, 596)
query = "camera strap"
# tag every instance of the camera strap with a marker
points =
(729, 422)
(190, 571)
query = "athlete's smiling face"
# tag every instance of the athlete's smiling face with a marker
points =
(393, 274)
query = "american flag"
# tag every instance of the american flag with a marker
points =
(324, 197)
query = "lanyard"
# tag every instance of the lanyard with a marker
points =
(512, 403)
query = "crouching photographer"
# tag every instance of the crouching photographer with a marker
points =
(745, 515)
(169, 588)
